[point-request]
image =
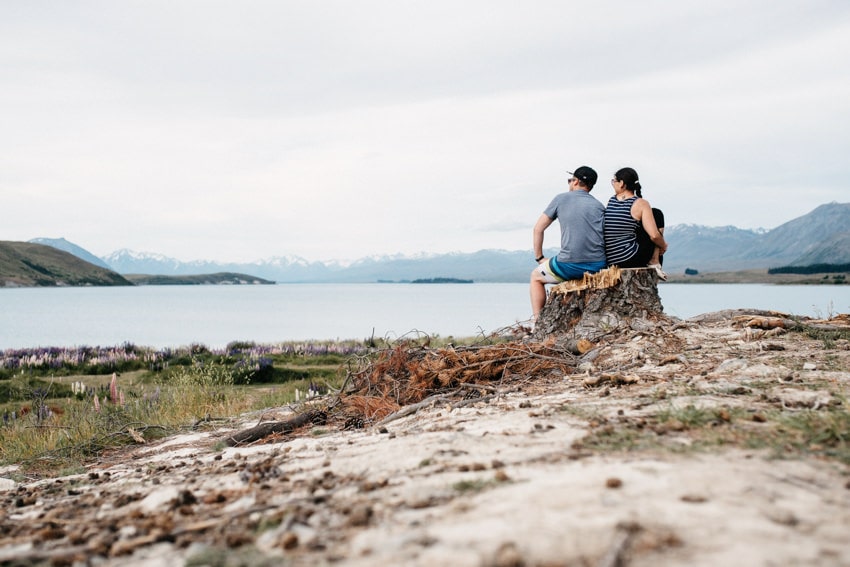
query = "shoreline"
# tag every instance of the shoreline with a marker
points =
(744, 277)
(759, 276)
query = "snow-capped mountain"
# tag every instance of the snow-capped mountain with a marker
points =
(820, 236)
(278, 268)
(71, 248)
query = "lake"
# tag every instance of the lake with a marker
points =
(161, 316)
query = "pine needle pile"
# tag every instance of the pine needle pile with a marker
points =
(403, 376)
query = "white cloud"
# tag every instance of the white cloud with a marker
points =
(339, 129)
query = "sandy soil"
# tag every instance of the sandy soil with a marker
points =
(526, 479)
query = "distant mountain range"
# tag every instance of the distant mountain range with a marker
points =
(820, 236)
(481, 266)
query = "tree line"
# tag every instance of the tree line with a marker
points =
(811, 269)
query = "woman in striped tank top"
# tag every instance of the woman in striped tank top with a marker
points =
(633, 229)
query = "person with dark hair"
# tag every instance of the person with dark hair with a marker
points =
(582, 251)
(634, 231)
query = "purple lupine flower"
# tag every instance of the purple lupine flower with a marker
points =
(113, 389)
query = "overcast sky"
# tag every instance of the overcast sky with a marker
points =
(243, 130)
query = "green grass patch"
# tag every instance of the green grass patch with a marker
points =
(827, 336)
(824, 432)
(782, 433)
(473, 485)
(610, 438)
(48, 428)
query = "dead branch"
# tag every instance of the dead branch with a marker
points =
(401, 380)
(311, 416)
(413, 408)
(591, 381)
(470, 401)
(479, 387)
(623, 537)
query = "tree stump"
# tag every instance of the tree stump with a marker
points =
(609, 300)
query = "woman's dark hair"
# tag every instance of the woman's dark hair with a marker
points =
(630, 177)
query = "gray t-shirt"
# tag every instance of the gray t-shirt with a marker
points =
(581, 218)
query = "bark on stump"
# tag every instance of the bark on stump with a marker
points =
(610, 300)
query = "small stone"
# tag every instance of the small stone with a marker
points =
(693, 498)
(49, 533)
(360, 515)
(420, 501)
(613, 482)
(100, 544)
(214, 498)
(782, 517)
(508, 556)
(795, 398)
(289, 540)
(810, 366)
(730, 365)
(237, 539)
(501, 476)
(185, 498)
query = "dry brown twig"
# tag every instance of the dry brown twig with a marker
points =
(401, 380)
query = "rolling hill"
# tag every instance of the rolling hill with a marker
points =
(24, 264)
(221, 278)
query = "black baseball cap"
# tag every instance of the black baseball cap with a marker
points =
(586, 174)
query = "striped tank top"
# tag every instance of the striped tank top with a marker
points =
(620, 231)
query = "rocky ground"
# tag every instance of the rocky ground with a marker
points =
(718, 440)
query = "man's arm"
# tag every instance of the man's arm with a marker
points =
(539, 228)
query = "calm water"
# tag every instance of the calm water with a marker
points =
(215, 315)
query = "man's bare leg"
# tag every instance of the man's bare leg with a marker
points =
(538, 293)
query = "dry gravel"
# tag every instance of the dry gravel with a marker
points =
(600, 467)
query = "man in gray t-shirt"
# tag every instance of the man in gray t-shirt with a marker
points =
(582, 241)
